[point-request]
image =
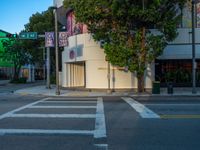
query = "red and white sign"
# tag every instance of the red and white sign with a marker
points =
(63, 39)
(49, 39)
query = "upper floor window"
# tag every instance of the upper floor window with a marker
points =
(74, 28)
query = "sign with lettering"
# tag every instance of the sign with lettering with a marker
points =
(49, 39)
(28, 35)
(63, 39)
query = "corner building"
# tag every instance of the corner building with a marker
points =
(84, 63)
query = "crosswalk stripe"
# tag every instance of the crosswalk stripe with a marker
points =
(69, 101)
(141, 109)
(63, 107)
(8, 114)
(100, 125)
(44, 131)
(53, 115)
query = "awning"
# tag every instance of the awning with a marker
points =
(180, 52)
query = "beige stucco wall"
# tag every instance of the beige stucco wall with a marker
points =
(96, 68)
(96, 78)
(122, 79)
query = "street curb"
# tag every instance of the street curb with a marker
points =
(41, 90)
(90, 94)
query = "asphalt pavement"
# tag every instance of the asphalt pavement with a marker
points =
(33, 117)
(105, 123)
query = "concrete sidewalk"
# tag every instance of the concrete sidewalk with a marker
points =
(42, 90)
(4, 82)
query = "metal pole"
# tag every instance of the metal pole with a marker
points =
(193, 50)
(108, 75)
(44, 65)
(76, 46)
(48, 68)
(113, 78)
(56, 49)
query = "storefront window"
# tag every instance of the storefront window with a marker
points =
(176, 71)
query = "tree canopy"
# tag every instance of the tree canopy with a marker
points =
(126, 27)
(40, 23)
(15, 52)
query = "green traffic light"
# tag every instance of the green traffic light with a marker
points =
(14, 35)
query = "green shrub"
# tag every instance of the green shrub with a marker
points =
(19, 80)
(53, 79)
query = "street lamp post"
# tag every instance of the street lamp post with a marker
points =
(44, 64)
(48, 68)
(56, 50)
(193, 49)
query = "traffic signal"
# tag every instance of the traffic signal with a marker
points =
(11, 35)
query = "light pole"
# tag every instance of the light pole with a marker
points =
(56, 50)
(48, 68)
(193, 49)
(44, 64)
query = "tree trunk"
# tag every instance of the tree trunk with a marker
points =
(140, 75)
(16, 72)
(140, 83)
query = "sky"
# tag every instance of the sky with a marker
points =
(14, 14)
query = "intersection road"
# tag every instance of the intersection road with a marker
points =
(87, 123)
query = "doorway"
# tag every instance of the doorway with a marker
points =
(77, 74)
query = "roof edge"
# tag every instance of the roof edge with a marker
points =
(4, 31)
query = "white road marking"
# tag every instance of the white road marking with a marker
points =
(44, 131)
(21, 108)
(52, 115)
(141, 109)
(63, 107)
(69, 101)
(102, 146)
(175, 104)
(74, 98)
(100, 125)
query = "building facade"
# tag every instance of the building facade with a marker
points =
(6, 67)
(175, 64)
(84, 63)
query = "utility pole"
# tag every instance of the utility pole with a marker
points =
(193, 49)
(44, 64)
(47, 63)
(56, 50)
(48, 68)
